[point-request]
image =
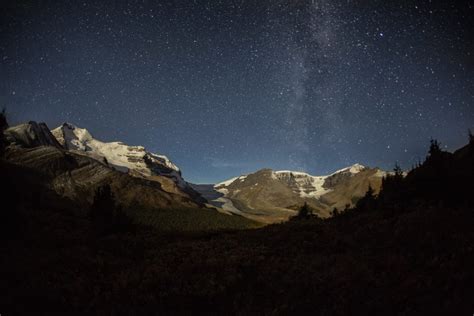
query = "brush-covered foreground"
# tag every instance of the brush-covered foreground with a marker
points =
(417, 262)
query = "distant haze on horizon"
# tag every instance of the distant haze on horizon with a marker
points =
(226, 88)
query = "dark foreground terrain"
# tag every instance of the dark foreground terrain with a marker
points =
(394, 265)
(409, 251)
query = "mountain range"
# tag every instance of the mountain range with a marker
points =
(66, 250)
(147, 186)
(80, 162)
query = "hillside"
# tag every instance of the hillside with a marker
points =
(75, 177)
(270, 196)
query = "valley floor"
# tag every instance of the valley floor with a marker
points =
(416, 262)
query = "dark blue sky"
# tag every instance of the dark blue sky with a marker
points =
(228, 87)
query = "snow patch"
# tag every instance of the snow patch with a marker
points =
(230, 181)
(226, 183)
(380, 173)
(296, 173)
(307, 186)
(356, 168)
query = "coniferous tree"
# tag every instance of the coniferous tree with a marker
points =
(370, 192)
(304, 212)
(367, 202)
(397, 171)
(435, 149)
(471, 137)
(106, 215)
(392, 188)
(103, 209)
(3, 127)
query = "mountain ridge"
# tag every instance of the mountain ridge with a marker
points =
(134, 160)
(68, 156)
(117, 153)
(265, 195)
(278, 194)
(78, 176)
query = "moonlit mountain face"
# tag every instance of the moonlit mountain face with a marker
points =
(129, 159)
(269, 196)
(74, 164)
(229, 87)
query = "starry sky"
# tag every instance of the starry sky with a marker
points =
(228, 87)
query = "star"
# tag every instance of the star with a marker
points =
(313, 85)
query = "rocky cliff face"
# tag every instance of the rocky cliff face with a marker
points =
(31, 135)
(134, 160)
(302, 183)
(77, 177)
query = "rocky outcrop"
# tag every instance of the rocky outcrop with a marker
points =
(120, 155)
(302, 183)
(31, 135)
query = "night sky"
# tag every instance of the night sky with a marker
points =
(227, 87)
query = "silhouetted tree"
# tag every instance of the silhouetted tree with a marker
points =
(304, 212)
(367, 202)
(396, 178)
(102, 209)
(335, 212)
(370, 193)
(471, 137)
(435, 149)
(3, 127)
(106, 216)
(397, 171)
(392, 187)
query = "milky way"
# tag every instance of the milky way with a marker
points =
(228, 87)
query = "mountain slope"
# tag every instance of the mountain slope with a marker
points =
(134, 160)
(75, 175)
(31, 134)
(273, 196)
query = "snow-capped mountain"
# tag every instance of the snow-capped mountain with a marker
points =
(73, 166)
(273, 196)
(302, 183)
(265, 195)
(135, 160)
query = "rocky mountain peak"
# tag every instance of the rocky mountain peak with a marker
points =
(31, 134)
(355, 168)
